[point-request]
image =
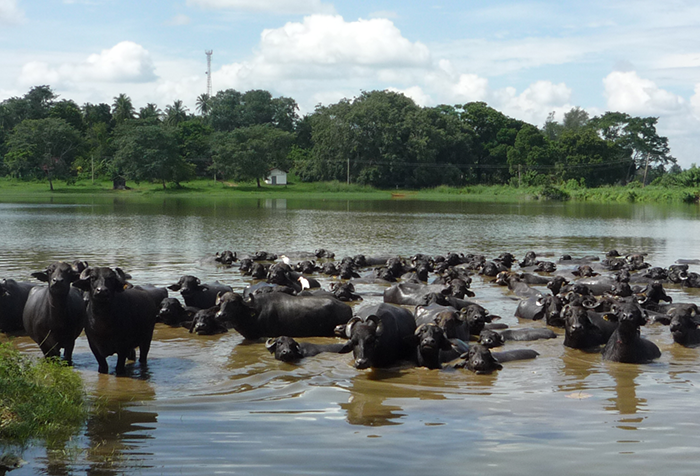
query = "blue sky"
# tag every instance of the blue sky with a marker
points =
(525, 58)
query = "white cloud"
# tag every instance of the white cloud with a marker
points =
(326, 47)
(125, 62)
(10, 14)
(416, 93)
(695, 102)
(627, 92)
(470, 87)
(535, 102)
(294, 7)
(178, 20)
(330, 40)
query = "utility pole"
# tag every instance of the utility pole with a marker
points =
(208, 53)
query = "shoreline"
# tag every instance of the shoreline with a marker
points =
(12, 190)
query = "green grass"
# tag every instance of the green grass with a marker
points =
(15, 190)
(39, 399)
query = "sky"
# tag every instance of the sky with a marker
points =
(526, 58)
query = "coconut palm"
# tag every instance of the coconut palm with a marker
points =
(122, 108)
(150, 111)
(175, 114)
(204, 104)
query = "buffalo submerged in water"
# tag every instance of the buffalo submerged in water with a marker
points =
(599, 310)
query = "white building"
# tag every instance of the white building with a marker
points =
(276, 177)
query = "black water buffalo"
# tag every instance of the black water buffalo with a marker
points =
(119, 318)
(380, 336)
(452, 322)
(196, 294)
(430, 342)
(345, 292)
(479, 359)
(156, 293)
(684, 327)
(287, 349)
(492, 338)
(543, 307)
(173, 313)
(54, 315)
(585, 329)
(226, 258)
(514, 283)
(13, 297)
(205, 322)
(412, 294)
(626, 344)
(278, 314)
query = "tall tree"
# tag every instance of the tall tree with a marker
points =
(150, 112)
(575, 119)
(69, 111)
(225, 110)
(96, 113)
(122, 108)
(590, 159)
(203, 104)
(175, 114)
(494, 133)
(193, 140)
(532, 156)
(637, 139)
(148, 151)
(248, 153)
(42, 147)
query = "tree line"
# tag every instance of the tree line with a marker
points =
(380, 138)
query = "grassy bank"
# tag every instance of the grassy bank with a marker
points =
(14, 190)
(39, 399)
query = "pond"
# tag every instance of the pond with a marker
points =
(218, 404)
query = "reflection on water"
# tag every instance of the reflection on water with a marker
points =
(221, 404)
(625, 401)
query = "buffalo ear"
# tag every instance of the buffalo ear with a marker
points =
(122, 276)
(346, 348)
(83, 282)
(42, 276)
(219, 296)
(175, 287)
(271, 344)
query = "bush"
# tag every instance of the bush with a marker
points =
(38, 399)
(549, 192)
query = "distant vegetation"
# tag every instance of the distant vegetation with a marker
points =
(38, 399)
(380, 139)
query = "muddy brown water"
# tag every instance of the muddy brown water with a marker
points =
(217, 404)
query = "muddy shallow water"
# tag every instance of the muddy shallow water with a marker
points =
(217, 404)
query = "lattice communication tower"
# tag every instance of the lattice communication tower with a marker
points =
(208, 53)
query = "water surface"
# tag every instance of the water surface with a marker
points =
(217, 404)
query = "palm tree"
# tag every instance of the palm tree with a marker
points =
(175, 114)
(204, 104)
(122, 109)
(150, 111)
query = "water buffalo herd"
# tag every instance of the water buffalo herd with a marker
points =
(427, 318)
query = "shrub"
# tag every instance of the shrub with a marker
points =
(38, 399)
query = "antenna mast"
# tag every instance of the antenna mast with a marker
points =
(208, 53)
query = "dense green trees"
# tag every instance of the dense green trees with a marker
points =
(248, 153)
(42, 148)
(380, 138)
(148, 151)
